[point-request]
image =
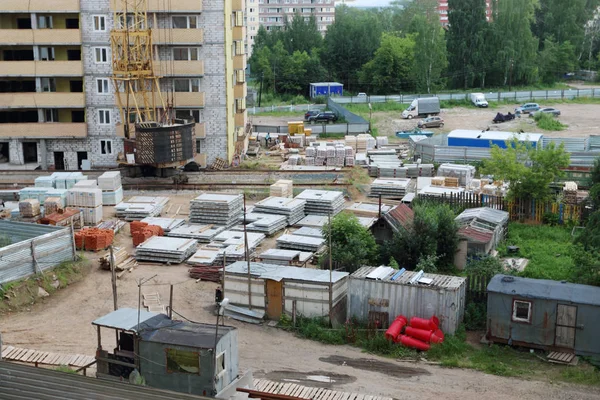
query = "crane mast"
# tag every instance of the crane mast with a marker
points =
(137, 88)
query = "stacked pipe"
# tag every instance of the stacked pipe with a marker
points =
(416, 333)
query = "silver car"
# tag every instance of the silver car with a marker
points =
(547, 110)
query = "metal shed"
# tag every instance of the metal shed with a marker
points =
(278, 289)
(544, 314)
(326, 89)
(383, 296)
(485, 139)
(34, 248)
(484, 228)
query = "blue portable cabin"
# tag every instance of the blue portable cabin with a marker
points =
(326, 89)
(485, 139)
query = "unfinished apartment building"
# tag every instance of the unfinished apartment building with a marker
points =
(57, 104)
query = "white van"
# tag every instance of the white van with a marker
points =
(478, 99)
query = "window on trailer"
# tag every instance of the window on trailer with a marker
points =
(183, 362)
(521, 311)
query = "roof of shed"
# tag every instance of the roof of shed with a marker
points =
(125, 319)
(475, 235)
(545, 289)
(488, 214)
(281, 272)
(401, 216)
(438, 281)
(494, 135)
(183, 333)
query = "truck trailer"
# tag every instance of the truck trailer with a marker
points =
(425, 107)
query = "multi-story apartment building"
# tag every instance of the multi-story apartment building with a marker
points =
(57, 101)
(252, 24)
(443, 10)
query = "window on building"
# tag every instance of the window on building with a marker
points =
(106, 146)
(47, 53)
(186, 53)
(99, 23)
(220, 367)
(521, 311)
(102, 86)
(186, 85)
(101, 55)
(182, 362)
(185, 22)
(48, 84)
(51, 115)
(104, 117)
(45, 22)
(187, 114)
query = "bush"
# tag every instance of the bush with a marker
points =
(484, 265)
(475, 316)
(548, 123)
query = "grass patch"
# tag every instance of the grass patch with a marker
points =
(256, 165)
(294, 114)
(548, 248)
(362, 109)
(455, 103)
(548, 123)
(66, 369)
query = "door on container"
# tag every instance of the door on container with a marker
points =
(81, 155)
(274, 299)
(59, 160)
(566, 323)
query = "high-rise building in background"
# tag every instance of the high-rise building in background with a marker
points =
(57, 102)
(443, 10)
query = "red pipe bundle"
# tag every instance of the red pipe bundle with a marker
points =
(413, 343)
(431, 324)
(395, 328)
(420, 334)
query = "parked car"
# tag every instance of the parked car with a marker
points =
(431, 122)
(527, 108)
(361, 94)
(324, 116)
(547, 110)
(311, 113)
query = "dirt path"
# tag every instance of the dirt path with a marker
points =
(62, 323)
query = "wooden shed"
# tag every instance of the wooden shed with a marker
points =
(277, 289)
(544, 314)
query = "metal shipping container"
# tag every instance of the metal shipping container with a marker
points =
(440, 295)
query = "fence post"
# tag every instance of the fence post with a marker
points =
(531, 95)
(546, 95)
(498, 96)
(593, 92)
(562, 94)
(577, 93)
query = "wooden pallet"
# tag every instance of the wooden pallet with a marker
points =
(560, 358)
(309, 393)
(12, 353)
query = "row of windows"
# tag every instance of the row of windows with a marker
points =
(180, 85)
(177, 22)
(293, 1)
(101, 54)
(293, 10)
(105, 115)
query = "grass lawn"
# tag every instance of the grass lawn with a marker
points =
(548, 248)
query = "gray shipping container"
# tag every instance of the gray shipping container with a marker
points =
(443, 296)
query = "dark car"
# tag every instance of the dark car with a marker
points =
(311, 113)
(325, 116)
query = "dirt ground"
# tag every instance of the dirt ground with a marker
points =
(582, 120)
(62, 323)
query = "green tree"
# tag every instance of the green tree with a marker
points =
(529, 171)
(586, 260)
(352, 244)
(561, 22)
(391, 70)
(350, 43)
(466, 41)
(301, 35)
(430, 52)
(556, 59)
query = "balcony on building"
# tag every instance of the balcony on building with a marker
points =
(42, 123)
(39, 6)
(51, 61)
(178, 36)
(192, 68)
(39, 29)
(162, 6)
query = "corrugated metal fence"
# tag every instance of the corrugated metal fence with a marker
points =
(35, 248)
(317, 129)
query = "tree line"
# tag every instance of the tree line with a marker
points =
(404, 48)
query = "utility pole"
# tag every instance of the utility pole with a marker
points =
(113, 277)
(247, 258)
(262, 77)
(510, 76)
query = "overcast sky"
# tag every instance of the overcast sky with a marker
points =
(367, 3)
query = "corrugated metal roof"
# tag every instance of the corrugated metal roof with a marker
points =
(545, 289)
(401, 216)
(438, 281)
(27, 382)
(182, 333)
(281, 272)
(487, 214)
(124, 318)
(491, 135)
(475, 235)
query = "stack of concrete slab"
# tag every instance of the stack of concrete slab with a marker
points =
(165, 223)
(112, 189)
(301, 243)
(201, 232)
(285, 257)
(309, 232)
(313, 221)
(140, 207)
(268, 224)
(322, 202)
(166, 249)
(292, 209)
(204, 257)
(218, 209)
(369, 210)
(232, 246)
(282, 188)
(389, 187)
(417, 170)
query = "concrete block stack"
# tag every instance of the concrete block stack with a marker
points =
(389, 187)
(140, 207)
(381, 141)
(322, 202)
(112, 189)
(66, 180)
(89, 202)
(166, 249)
(94, 239)
(218, 209)
(292, 209)
(29, 208)
(282, 188)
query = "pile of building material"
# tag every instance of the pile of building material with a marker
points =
(121, 260)
(45, 181)
(322, 202)
(89, 202)
(215, 208)
(230, 244)
(268, 224)
(114, 225)
(140, 207)
(361, 160)
(334, 154)
(390, 187)
(420, 170)
(87, 184)
(314, 221)
(570, 192)
(165, 223)
(364, 142)
(282, 188)
(166, 249)
(53, 204)
(464, 173)
(94, 239)
(292, 209)
(369, 210)
(67, 217)
(285, 257)
(381, 141)
(66, 180)
(29, 208)
(301, 243)
(309, 232)
(205, 256)
(201, 232)
(142, 231)
(112, 189)
(206, 273)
